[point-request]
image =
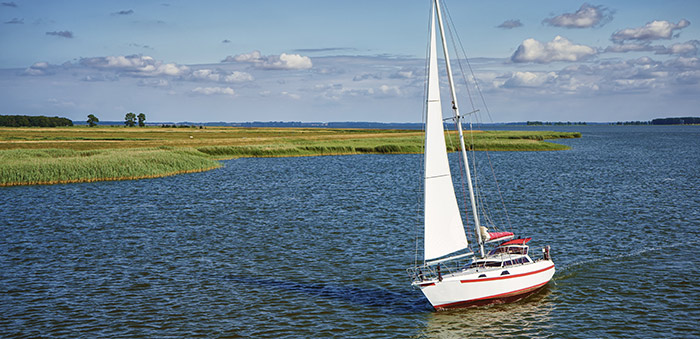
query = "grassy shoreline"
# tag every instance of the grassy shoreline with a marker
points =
(31, 156)
(57, 166)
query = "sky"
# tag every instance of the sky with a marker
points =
(334, 60)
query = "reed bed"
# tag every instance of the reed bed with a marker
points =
(396, 144)
(53, 166)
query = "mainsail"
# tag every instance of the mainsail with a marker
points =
(444, 232)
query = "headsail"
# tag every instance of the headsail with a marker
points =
(444, 232)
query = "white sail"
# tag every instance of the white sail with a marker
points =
(444, 232)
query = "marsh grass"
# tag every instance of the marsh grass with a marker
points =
(395, 144)
(82, 154)
(53, 166)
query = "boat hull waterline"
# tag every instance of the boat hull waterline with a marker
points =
(464, 289)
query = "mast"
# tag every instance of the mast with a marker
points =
(455, 109)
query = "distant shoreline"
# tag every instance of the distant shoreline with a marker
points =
(44, 121)
(379, 125)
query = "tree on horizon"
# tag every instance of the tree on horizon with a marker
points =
(130, 119)
(92, 120)
(142, 119)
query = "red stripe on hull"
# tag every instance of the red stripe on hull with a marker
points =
(495, 299)
(507, 277)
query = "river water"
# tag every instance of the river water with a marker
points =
(318, 246)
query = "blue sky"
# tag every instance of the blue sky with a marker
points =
(332, 60)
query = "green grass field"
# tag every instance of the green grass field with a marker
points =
(82, 154)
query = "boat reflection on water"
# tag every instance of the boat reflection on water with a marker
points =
(521, 318)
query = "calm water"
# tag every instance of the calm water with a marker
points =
(317, 247)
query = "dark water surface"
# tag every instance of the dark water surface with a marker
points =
(318, 247)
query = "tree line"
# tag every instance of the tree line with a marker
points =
(677, 121)
(33, 121)
(129, 120)
(555, 123)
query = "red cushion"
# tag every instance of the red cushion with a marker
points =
(498, 235)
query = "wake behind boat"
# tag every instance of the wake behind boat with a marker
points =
(452, 275)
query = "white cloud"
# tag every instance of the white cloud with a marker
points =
(154, 83)
(338, 92)
(655, 30)
(214, 91)
(559, 49)
(684, 63)
(288, 61)
(254, 57)
(387, 90)
(636, 84)
(291, 95)
(575, 84)
(221, 76)
(138, 65)
(403, 74)
(644, 74)
(206, 74)
(689, 78)
(283, 61)
(238, 77)
(99, 77)
(530, 79)
(631, 47)
(585, 17)
(38, 68)
(166, 69)
(645, 61)
(686, 48)
(635, 76)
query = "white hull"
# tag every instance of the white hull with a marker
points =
(468, 288)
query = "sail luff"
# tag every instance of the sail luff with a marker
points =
(444, 231)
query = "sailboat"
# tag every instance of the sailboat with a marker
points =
(451, 274)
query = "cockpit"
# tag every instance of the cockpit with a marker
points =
(509, 253)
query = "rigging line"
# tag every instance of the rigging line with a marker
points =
(483, 101)
(423, 120)
(476, 82)
(464, 192)
(461, 171)
(498, 189)
(450, 28)
(461, 181)
(453, 32)
(500, 196)
(460, 162)
(495, 180)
